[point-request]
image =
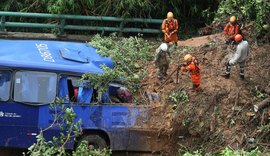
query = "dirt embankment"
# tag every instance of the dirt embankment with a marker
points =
(222, 114)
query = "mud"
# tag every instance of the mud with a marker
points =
(217, 116)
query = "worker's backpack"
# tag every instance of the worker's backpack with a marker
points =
(196, 63)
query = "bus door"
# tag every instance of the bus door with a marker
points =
(71, 93)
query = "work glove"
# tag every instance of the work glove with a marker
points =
(168, 35)
(183, 65)
(182, 68)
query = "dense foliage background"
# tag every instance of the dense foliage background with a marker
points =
(184, 9)
(189, 12)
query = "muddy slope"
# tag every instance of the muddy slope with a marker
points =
(222, 114)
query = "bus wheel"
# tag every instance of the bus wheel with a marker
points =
(94, 141)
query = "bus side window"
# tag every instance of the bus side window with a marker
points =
(74, 91)
(68, 89)
(4, 85)
(34, 87)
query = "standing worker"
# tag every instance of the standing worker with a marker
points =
(162, 60)
(170, 29)
(231, 29)
(239, 57)
(192, 65)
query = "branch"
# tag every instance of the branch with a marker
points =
(265, 103)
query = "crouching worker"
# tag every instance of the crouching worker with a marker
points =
(162, 60)
(192, 65)
(239, 57)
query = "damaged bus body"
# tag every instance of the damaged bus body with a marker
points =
(34, 72)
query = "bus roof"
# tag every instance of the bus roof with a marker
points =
(59, 56)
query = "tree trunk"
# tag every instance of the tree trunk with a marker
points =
(262, 104)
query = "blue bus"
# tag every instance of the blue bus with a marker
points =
(34, 72)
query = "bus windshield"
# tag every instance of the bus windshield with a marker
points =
(35, 87)
(4, 85)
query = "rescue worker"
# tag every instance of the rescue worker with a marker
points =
(170, 28)
(162, 60)
(231, 29)
(239, 57)
(193, 66)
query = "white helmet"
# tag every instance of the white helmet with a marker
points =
(164, 47)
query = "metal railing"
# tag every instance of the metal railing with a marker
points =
(61, 23)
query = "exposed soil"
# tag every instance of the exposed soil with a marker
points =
(222, 114)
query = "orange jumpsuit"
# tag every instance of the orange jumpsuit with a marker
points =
(195, 73)
(170, 28)
(231, 30)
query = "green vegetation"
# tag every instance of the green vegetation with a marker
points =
(100, 81)
(187, 12)
(259, 94)
(130, 56)
(64, 118)
(225, 152)
(120, 8)
(257, 10)
(191, 13)
(179, 95)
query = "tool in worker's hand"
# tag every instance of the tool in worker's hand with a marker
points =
(167, 78)
(175, 70)
(179, 68)
(168, 35)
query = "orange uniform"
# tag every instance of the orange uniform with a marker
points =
(231, 29)
(195, 73)
(170, 28)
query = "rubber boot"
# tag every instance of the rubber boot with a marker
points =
(228, 70)
(226, 75)
(242, 77)
(197, 87)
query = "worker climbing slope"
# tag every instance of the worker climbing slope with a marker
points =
(239, 57)
(193, 66)
(162, 60)
(231, 30)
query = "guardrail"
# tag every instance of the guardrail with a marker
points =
(62, 25)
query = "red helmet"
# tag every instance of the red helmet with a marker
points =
(238, 37)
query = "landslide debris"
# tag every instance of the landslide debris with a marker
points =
(222, 114)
